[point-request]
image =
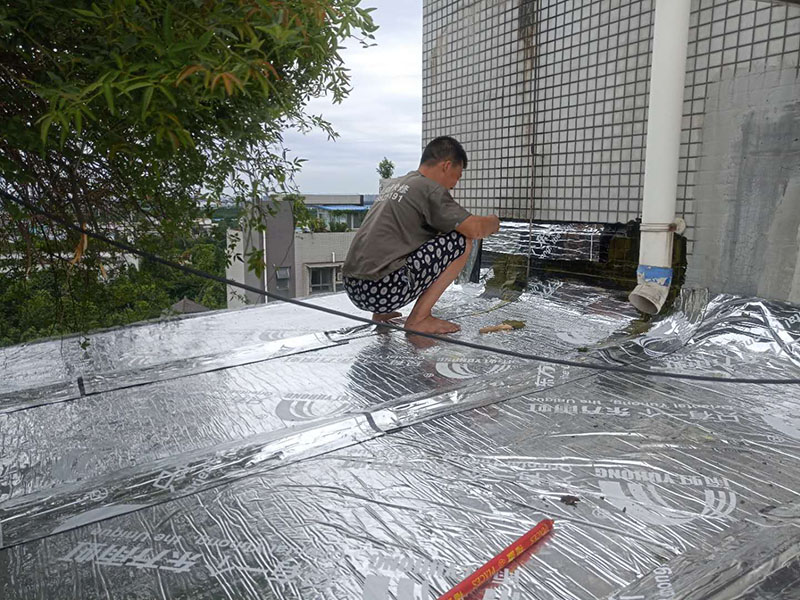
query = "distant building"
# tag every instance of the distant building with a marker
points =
(334, 199)
(299, 262)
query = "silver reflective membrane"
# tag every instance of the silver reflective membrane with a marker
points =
(274, 452)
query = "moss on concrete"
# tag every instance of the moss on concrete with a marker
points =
(510, 276)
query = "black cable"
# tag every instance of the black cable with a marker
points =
(337, 313)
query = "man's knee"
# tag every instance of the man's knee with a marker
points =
(458, 237)
(467, 244)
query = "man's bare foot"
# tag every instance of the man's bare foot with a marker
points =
(431, 324)
(383, 317)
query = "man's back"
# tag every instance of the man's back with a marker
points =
(411, 210)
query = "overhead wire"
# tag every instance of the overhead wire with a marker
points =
(391, 326)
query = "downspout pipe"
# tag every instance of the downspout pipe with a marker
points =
(667, 80)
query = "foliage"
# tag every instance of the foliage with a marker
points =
(318, 225)
(385, 168)
(227, 216)
(128, 116)
(46, 303)
(338, 221)
(303, 216)
(510, 276)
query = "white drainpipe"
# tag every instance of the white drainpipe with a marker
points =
(667, 80)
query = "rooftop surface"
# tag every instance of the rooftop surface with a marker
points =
(278, 452)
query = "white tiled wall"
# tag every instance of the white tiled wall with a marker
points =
(549, 97)
(477, 88)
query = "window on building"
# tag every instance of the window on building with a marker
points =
(321, 279)
(325, 279)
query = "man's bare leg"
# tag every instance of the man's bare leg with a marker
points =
(421, 318)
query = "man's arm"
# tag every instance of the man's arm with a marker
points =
(477, 228)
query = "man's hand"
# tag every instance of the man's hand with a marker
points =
(477, 228)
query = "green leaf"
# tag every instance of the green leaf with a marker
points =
(167, 25)
(205, 39)
(168, 95)
(46, 122)
(182, 47)
(147, 97)
(226, 32)
(138, 85)
(88, 112)
(109, 96)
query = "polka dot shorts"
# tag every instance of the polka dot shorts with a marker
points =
(422, 268)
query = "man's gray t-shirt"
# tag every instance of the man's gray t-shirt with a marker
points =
(410, 211)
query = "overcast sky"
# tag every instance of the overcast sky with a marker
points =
(381, 117)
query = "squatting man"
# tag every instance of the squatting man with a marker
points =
(414, 241)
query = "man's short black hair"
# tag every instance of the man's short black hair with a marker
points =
(441, 149)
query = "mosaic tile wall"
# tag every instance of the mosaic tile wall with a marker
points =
(550, 97)
(477, 67)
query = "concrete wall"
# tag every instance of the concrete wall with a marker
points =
(748, 188)
(280, 248)
(237, 270)
(318, 249)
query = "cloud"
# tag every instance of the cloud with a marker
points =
(381, 117)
